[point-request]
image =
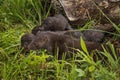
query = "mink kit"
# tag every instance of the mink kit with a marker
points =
(63, 43)
(55, 23)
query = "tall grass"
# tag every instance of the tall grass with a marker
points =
(27, 12)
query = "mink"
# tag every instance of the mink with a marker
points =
(55, 23)
(51, 41)
(93, 35)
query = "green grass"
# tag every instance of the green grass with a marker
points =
(16, 20)
(26, 12)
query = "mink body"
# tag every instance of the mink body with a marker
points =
(53, 41)
(55, 23)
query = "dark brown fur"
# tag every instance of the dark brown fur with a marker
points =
(75, 33)
(55, 23)
(64, 43)
(26, 39)
(93, 35)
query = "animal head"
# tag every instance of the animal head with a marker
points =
(26, 39)
(48, 24)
